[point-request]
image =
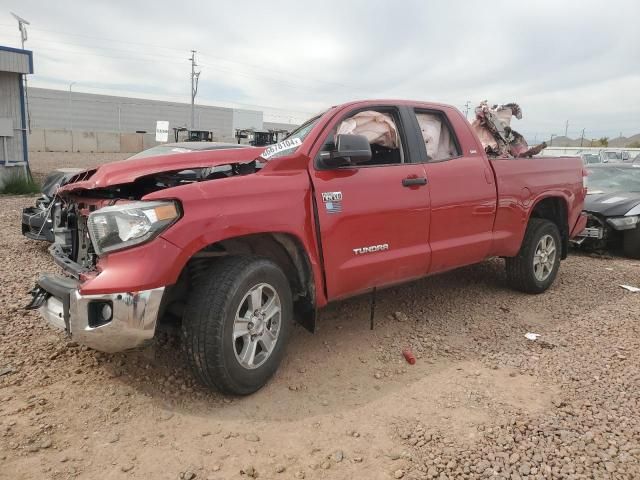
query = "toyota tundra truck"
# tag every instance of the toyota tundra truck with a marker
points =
(234, 245)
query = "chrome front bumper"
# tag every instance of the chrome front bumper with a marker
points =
(133, 321)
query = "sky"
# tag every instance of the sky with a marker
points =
(561, 60)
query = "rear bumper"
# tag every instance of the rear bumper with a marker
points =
(133, 319)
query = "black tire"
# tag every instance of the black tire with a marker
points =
(520, 269)
(631, 243)
(208, 323)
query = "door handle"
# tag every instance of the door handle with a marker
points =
(414, 181)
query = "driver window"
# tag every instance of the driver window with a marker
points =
(380, 128)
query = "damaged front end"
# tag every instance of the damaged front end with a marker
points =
(107, 240)
(492, 125)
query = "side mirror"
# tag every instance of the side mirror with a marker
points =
(350, 150)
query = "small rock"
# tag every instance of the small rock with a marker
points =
(400, 317)
(357, 459)
(113, 438)
(252, 437)
(338, 456)
(377, 375)
(280, 468)
(249, 471)
(127, 467)
(299, 474)
(46, 443)
(325, 465)
(398, 474)
(188, 475)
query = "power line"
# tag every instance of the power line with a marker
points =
(262, 68)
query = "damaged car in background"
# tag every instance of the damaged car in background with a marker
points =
(613, 208)
(37, 221)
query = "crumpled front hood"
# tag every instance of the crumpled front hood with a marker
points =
(127, 171)
(58, 177)
(611, 204)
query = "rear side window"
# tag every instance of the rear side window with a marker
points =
(438, 137)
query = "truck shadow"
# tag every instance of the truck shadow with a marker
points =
(466, 318)
(345, 364)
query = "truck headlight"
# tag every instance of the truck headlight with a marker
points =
(121, 226)
(623, 223)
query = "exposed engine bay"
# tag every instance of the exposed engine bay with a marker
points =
(492, 125)
(78, 243)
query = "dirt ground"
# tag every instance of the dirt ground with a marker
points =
(482, 401)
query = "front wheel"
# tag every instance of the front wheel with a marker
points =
(237, 323)
(535, 267)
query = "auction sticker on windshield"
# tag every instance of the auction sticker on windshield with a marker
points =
(283, 146)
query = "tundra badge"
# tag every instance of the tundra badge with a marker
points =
(371, 249)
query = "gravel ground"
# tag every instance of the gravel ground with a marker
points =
(480, 402)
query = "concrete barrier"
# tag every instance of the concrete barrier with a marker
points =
(130, 142)
(149, 140)
(36, 140)
(84, 142)
(108, 142)
(48, 140)
(57, 140)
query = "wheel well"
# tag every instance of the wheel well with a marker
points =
(555, 210)
(283, 249)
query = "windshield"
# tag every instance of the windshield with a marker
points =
(613, 179)
(292, 142)
(591, 158)
(159, 150)
(613, 155)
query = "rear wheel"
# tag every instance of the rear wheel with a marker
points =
(535, 267)
(631, 243)
(237, 323)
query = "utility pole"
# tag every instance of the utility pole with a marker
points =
(467, 107)
(23, 37)
(70, 108)
(582, 137)
(551, 139)
(566, 128)
(194, 86)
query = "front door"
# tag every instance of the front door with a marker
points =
(374, 217)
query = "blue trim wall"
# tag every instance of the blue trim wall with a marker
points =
(29, 53)
(23, 121)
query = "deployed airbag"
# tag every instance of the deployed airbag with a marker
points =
(379, 128)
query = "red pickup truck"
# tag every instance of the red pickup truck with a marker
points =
(235, 244)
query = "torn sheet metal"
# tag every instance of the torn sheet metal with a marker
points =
(492, 125)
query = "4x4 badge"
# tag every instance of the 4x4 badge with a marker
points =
(332, 201)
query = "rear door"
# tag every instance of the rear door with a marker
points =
(373, 218)
(462, 189)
